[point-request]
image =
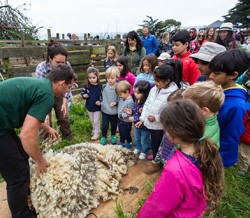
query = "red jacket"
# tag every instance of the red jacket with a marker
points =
(190, 71)
(245, 137)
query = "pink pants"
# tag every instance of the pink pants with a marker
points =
(95, 120)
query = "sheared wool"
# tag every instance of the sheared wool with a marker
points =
(78, 179)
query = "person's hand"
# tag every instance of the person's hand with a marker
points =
(53, 134)
(64, 109)
(131, 119)
(85, 96)
(98, 103)
(140, 110)
(151, 118)
(41, 166)
(112, 104)
(128, 111)
(138, 124)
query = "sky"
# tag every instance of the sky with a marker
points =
(105, 16)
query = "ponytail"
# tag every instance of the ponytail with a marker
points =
(212, 170)
(177, 71)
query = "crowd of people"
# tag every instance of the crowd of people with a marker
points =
(185, 98)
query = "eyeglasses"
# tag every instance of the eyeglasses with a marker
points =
(201, 36)
(197, 61)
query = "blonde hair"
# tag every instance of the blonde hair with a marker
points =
(113, 49)
(165, 37)
(112, 71)
(206, 94)
(122, 87)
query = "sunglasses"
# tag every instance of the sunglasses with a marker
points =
(201, 36)
(197, 61)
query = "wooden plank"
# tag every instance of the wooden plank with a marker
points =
(22, 52)
(134, 178)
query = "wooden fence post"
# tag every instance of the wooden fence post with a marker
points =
(26, 59)
(49, 34)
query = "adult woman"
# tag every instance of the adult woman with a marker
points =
(164, 45)
(210, 34)
(198, 42)
(57, 54)
(134, 51)
(225, 37)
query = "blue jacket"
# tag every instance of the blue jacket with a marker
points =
(150, 44)
(230, 118)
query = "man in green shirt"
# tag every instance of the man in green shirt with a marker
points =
(25, 102)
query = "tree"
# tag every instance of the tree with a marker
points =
(158, 27)
(240, 14)
(13, 21)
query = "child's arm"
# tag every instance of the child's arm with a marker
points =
(166, 196)
(85, 92)
(124, 114)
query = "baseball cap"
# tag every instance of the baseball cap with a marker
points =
(208, 50)
(164, 56)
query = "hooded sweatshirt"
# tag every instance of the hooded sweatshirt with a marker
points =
(230, 118)
(212, 129)
(178, 192)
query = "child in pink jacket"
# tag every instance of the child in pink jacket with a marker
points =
(191, 183)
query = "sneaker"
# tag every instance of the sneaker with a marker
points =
(121, 144)
(152, 167)
(103, 141)
(150, 157)
(113, 139)
(242, 172)
(94, 137)
(136, 151)
(128, 145)
(142, 156)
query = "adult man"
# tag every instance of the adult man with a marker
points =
(149, 41)
(25, 102)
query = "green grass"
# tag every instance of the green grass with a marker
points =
(235, 202)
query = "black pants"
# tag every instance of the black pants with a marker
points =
(125, 131)
(156, 138)
(106, 119)
(14, 168)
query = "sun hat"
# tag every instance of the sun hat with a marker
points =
(164, 56)
(226, 26)
(208, 50)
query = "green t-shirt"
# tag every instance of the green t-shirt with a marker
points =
(21, 96)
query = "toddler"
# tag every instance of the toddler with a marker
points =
(91, 93)
(125, 125)
(109, 102)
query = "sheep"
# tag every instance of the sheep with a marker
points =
(78, 179)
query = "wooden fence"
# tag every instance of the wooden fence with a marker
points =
(20, 58)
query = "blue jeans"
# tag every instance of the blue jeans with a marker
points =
(125, 131)
(142, 140)
(14, 168)
(106, 119)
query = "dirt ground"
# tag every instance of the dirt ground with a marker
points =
(134, 178)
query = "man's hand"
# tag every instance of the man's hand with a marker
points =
(41, 166)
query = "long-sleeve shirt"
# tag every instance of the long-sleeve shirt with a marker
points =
(122, 104)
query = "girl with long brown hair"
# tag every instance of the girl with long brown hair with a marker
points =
(192, 181)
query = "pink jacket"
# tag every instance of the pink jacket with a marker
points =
(178, 192)
(130, 78)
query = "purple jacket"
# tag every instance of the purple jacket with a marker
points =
(178, 192)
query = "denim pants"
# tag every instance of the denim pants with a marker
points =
(14, 168)
(125, 131)
(142, 139)
(156, 138)
(106, 119)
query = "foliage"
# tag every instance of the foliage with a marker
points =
(13, 20)
(158, 27)
(239, 14)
